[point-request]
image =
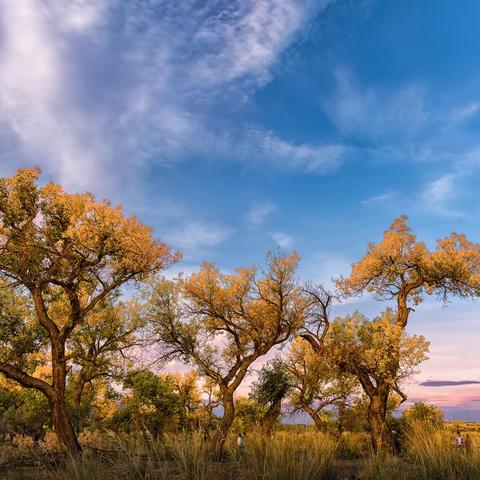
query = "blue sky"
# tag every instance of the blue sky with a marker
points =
(233, 127)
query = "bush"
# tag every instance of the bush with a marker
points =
(428, 415)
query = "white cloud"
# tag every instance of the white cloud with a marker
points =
(185, 270)
(247, 36)
(195, 235)
(439, 193)
(33, 85)
(464, 113)
(367, 112)
(304, 157)
(282, 240)
(440, 189)
(322, 267)
(260, 211)
(376, 199)
(94, 89)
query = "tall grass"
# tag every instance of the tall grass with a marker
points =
(437, 458)
(287, 456)
(192, 457)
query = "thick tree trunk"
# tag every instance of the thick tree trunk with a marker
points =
(271, 416)
(63, 426)
(377, 413)
(60, 416)
(220, 435)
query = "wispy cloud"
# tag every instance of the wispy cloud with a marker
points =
(260, 211)
(308, 158)
(464, 113)
(376, 199)
(325, 267)
(367, 112)
(245, 37)
(34, 105)
(94, 89)
(282, 240)
(438, 194)
(195, 235)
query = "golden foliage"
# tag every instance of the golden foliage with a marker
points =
(400, 264)
(374, 346)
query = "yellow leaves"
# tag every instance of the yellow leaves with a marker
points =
(401, 265)
(398, 257)
(460, 258)
(301, 351)
(43, 372)
(18, 193)
(71, 247)
(376, 344)
(185, 385)
(75, 232)
(252, 307)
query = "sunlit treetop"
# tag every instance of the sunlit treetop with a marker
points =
(224, 322)
(256, 304)
(52, 238)
(401, 265)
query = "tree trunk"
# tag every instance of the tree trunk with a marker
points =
(341, 416)
(220, 435)
(63, 426)
(77, 390)
(270, 418)
(381, 433)
(60, 416)
(320, 425)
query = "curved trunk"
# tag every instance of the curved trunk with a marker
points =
(220, 435)
(377, 412)
(320, 425)
(271, 416)
(60, 416)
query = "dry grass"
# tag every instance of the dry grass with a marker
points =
(287, 455)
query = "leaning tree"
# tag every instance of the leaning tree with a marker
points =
(222, 323)
(316, 383)
(364, 349)
(66, 253)
(404, 270)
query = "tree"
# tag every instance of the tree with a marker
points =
(67, 253)
(364, 348)
(248, 414)
(187, 388)
(99, 347)
(209, 401)
(153, 404)
(426, 414)
(316, 384)
(271, 387)
(402, 269)
(222, 323)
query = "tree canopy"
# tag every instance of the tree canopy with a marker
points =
(67, 253)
